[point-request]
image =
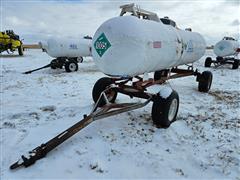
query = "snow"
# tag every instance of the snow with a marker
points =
(164, 90)
(202, 143)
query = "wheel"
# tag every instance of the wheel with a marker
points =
(57, 63)
(235, 64)
(219, 59)
(79, 59)
(159, 74)
(205, 81)
(71, 66)
(99, 87)
(20, 50)
(53, 64)
(164, 110)
(208, 62)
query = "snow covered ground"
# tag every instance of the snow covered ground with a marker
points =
(204, 142)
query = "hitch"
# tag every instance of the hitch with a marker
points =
(32, 156)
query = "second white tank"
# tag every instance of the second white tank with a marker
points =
(67, 47)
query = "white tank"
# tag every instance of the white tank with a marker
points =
(129, 46)
(67, 47)
(226, 47)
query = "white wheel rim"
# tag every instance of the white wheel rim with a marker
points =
(110, 95)
(72, 67)
(79, 59)
(209, 84)
(172, 109)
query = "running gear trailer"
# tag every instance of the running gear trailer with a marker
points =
(67, 52)
(227, 51)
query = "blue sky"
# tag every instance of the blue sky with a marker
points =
(37, 19)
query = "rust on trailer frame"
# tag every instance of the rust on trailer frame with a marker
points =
(142, 85)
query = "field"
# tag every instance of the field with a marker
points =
(202, 143)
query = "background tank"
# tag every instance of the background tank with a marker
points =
(226, 47)
(227, 51)
(67, 47)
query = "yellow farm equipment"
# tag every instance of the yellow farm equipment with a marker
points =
(10, 42)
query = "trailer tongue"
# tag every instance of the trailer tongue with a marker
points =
(29, 72)
(108, 110)
(41, 151)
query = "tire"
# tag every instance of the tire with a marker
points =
(79, 59)
(208, 62)
(58, 63)
(53, 67)
(20, 50)
(71, 66)
(99, 87)
(235, 64)
(205, 81)
(220, 59)
(164, 111)
(159, 74)
(53, 64)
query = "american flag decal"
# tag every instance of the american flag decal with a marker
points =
(157, 44)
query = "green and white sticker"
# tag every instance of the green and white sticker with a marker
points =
(102, 44)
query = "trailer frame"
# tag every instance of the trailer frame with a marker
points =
(70, 64)
(137, 89)
(220, 61)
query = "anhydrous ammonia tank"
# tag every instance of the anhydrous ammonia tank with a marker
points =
(67, 47)
(226, 47)
(128, 46)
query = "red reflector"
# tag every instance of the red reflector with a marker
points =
(157, 44)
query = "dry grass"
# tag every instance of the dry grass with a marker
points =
(31, 46)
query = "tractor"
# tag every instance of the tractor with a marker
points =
(10, 42)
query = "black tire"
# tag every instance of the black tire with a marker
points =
(205, 81)
(53, 67)
(79, 59)
(71, 66)
(164, 110)
(220, 59)
(20, 50)
(99, 87)
(235, 64)
(159, 74)
(208, 62)
(53, 64)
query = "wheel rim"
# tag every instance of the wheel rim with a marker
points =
(172, 109)
(79, 59)
(209, 83)
(110, 95)
(72, 67)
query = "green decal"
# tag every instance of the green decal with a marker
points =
(221, 47)
(101, 44)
